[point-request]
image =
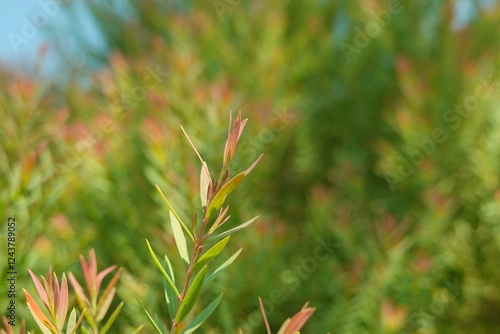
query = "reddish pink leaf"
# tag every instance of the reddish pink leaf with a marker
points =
(80, 294)
(241, 127)
(56, 290)
(103, 274)
(40, 289)
(87, 275)
(7, 326)
(298, 320)
(93, 270)
(109, 288)
(62, 302)
(49, 291)
(233, 137)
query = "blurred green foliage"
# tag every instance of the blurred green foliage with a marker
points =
(378, 191)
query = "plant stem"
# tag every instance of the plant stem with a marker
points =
(199, 240)
(198, 246)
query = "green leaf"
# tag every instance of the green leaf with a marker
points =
(221, 195)
(283, 327)
(205, 182)
(138, 329)
(170, 295)
(175, 214)
(221, 219)
(79, 321)
(200, 318)
(222, 267)
(191, 296)
(210, 254)
(233, 230)
(180, 240)
(155, 325)
(111, 319)
(106, 304)
(158, 264)
(71, 322)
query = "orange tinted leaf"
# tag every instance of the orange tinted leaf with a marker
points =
(299, 320)
(38, 315)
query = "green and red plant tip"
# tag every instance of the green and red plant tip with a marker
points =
(213, 193)
(97, 306)
(54, 297)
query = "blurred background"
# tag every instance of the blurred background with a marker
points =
(379, 189)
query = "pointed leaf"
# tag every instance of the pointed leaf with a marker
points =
(253, 165)
(90, 273)
(105, 304)
(37, 314)
(283, 327)
(200, 318)
(233, 230)
(210, 254)
(87, 275)
(40, 289)
(221, 219)
(191, 296)
(221, 195)
(111, 319)
(222, 267)
(170, 295)
(84, 312)
(105, 300)
(155, 259)
(103, 274)
(205, 181)
(175, 214)
(71, 322)
(80, 294)
(138, 329)
(180, 240)
(155, 325)
(264, 316)
(56, 291)
(192, 145)
(62, 304)
(298, 320)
